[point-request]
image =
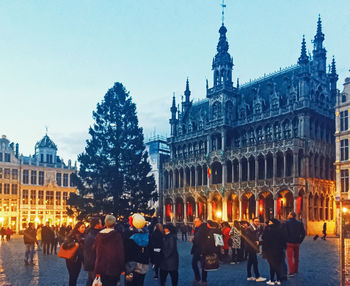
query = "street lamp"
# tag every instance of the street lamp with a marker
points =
(219, 214)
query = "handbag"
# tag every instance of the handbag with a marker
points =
(211, 262)
(68, 253)
(97, 281)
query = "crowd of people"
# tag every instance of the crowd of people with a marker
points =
(109, 250)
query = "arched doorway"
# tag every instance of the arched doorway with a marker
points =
(216, 207)
(232, 207)
(168, 210)
(179, 210)
(190, 209)
(248, 206)
(266, 205)
(202, 208)
(285, 204)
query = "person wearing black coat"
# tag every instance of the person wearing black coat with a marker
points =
(170, 256)
(196, 249)
(46, 238)
(274, 243)
(29, 237)
(252, 247)
(89, 252)
(156, 244)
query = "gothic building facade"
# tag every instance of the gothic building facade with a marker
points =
(268, 144)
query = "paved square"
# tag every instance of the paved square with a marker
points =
(318, 266)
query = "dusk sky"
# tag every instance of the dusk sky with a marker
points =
(58, 58)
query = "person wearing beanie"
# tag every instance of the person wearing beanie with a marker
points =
(137, 251)
(110, 257)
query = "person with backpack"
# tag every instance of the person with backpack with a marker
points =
(295, 235)
(170, 257)
(137, 251)
(235, 242)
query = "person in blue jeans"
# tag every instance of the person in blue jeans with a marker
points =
(29, 242)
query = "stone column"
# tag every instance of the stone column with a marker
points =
(306, 166)
(173, 212)
(223, 140)
(284, 164)
(209, 144)
(275, 207)
(210, 210)
(240, 208)
(224, 209)
(174, 179)
(191, 178)
(195, 176)
(240, 171)
(274, 168)
(196, 207)
(164, 213)
(224, 173)
(295, 165)
(256, 169)
(257, 207)
(185, 211)
(295, 204)
(233, 172)
(265, 166)
(248, 170)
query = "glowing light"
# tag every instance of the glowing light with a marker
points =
(345, 210)
(70, 219)
(218, 214)
(37, 220)
(1, 219)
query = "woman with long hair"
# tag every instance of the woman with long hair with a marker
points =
(74, 264)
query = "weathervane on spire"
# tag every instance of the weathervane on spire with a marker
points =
(47, 129)
(223, 5)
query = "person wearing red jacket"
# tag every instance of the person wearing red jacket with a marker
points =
(226, 236)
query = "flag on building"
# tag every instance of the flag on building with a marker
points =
(209, 172)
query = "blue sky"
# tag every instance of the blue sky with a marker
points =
(58, 58)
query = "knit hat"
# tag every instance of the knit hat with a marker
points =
(110, 220)
(138, 221)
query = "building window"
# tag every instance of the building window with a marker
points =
(41, 198)
(59, 179)
(33, 197)
(344, 150)
(71, 180)
(33, 177)
(41, 158)
(65, 197)
(13, 205)
(1, 157)
(14, 174)
(0, 173)
(49, 158)
(14, 189)
(0, 188)
(25, 197)
(58, 198)
(6, 205)
(344, 177)
(41, 178)
(25, 177)
(6, 189)
(7, 157)
(344, 123)
(49, 198)
(7, 173)
(65, 180)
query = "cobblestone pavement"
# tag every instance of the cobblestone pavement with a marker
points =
(318, 266)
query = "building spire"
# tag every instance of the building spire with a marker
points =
(333, 67)
(187, 91)
(223, 5)
(319, 37)
(303, 59)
